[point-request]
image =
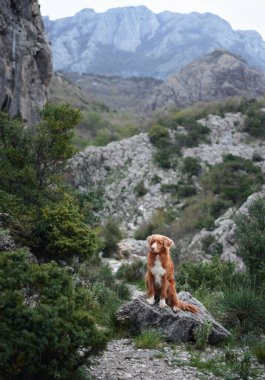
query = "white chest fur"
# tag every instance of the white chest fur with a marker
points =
(158, 271)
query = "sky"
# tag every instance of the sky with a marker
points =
(241, 14)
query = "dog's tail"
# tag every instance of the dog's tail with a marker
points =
(178, 303)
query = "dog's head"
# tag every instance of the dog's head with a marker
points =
(158, 243)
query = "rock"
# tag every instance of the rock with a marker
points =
(128, 248)
(25, 59)
(175, 327)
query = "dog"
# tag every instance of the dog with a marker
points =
(159, 277)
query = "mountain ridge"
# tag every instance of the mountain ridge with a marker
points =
(133, 41)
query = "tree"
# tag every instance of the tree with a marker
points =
(47, 330)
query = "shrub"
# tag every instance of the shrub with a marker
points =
(202, 334)
(46, 326)
(131, 272)
(148, 339)
(191, 166)
(158, 135)
(251, 242)
(140, 189)
(234, 179)
(243, 308)
(259, 351)
(111, 235)
(62, 232)
(255, 123)
(212, 275)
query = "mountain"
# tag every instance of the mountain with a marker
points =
(217, 75)
(25, 59)
(133, 41)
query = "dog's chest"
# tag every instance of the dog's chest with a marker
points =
(158, 271)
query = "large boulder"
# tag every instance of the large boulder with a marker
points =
(175, 327)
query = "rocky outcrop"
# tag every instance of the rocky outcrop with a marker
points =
(227, 137)
(130, 179)
(174, 327)
(133, 41)
(215, 76)
(223, 234)
(25, 59)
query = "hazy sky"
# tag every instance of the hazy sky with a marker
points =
(241, 14)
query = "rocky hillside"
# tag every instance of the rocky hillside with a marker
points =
(217, 75)
(134, 186)
(133, 41)
(25, 63)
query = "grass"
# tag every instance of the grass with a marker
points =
(148, 339)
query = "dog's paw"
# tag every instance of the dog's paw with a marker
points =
(151, 300)
(175, 308)
(162, 303)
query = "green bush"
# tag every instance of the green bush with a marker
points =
(111, 235)
(212, 275)
(62, 232)
(148, 339)
(46, 326)
(243, 308)
(259, 351)
(131, 272)
(202, 334)
(191, 166)
(250, 233)
(234, 179)
(255, 123)
(158, 135)
(140, 189)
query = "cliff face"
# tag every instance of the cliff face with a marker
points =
(25, 59)
(214, 76)
(133, 41)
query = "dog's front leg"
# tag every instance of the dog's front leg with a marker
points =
(150, 284)
(163, 294)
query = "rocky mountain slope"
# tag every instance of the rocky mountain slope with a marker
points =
(25, 59)
(217, 75)
(122, 167)
(133, 41)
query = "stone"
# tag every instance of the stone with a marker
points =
(174, 327)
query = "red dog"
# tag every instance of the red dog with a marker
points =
(160, 275)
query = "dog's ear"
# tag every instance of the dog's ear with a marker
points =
(168, 243)
(149, 240)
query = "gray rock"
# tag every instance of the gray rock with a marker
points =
(175, 327)
(25, 59)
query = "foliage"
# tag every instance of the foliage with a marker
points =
(234, 179)
(131, 272)
(191, 166)
(255, 123)
(202, 334)
(140, 189)
(250, 233)
(211, 275)
(243, 308)
(47, 330)
(62, 232)
(111, 235)
(107, 293)
(148, 339)
(259, 351)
